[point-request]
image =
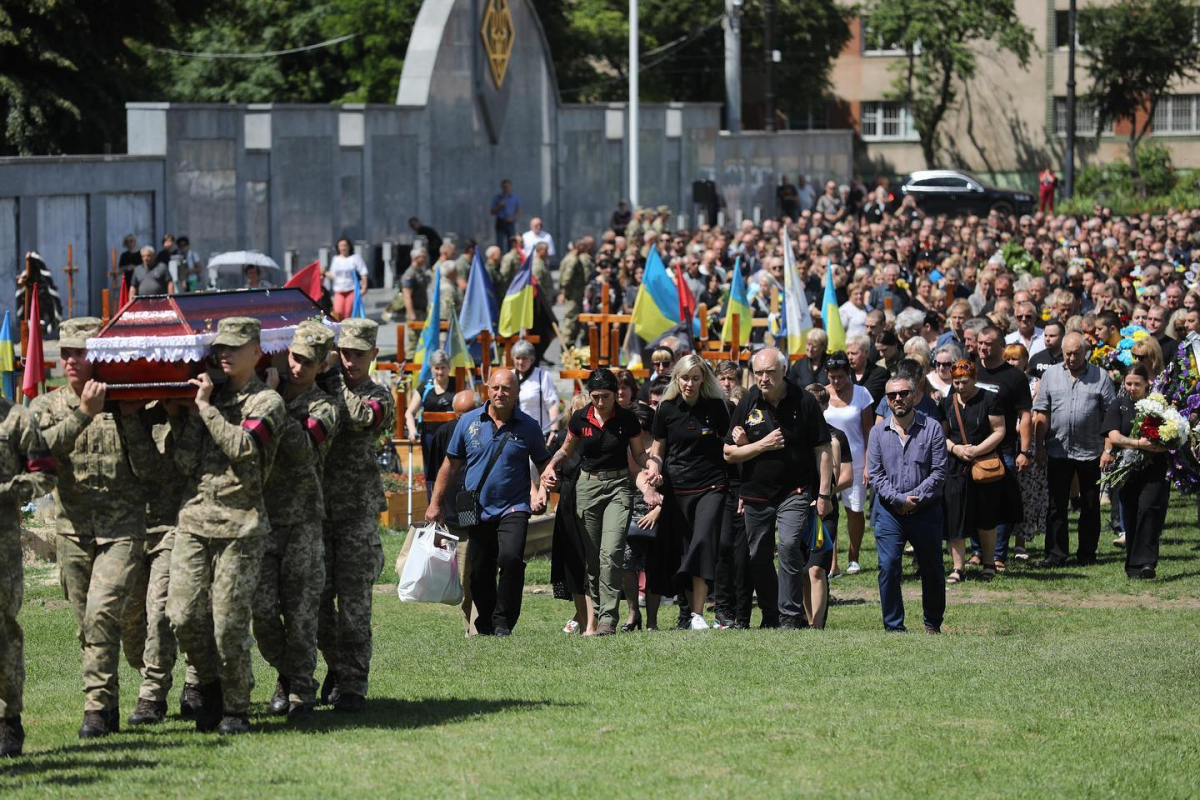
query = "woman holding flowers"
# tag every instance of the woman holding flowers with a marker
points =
(1139, 426)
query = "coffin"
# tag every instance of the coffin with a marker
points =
(156, 343)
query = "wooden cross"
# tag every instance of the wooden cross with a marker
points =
(604, 341)
(70, 269)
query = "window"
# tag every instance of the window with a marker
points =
(874, 45)
(887, 121)
(1086, 117)
(1062, 27)
(1176, 113)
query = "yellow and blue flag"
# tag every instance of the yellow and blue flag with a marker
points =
(430, 335)
(7, 360)
(831, 314)
(479, 312)
(516, 312)
(656, 309)
(797, 321)
(738, 306)
(456, 347)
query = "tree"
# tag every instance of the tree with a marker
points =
(1136, 50)
(938, 37)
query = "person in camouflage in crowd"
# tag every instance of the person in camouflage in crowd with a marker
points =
(510, 265)
(26, 471)
(353, 501)
(293, 568)
(661, 220)
(225, 454)
(147, 637)
(105, 461)
(574, 273)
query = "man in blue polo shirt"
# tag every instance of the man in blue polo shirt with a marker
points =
(498, 541)
(506, 208)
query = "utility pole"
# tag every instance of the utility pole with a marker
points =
(633, 103)
(1069, 167)
(732, 25)
(769, 73)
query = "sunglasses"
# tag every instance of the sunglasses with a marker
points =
(944, 364)
(1025, 316)
(658, 363)
(900, 395)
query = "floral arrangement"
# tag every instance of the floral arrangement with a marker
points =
(1179, 384)
(1159, 423)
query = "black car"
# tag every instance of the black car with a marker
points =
(949, 191)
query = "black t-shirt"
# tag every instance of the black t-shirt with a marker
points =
(1119, 418)
(805, 372)
(438, 403)
(975, 413)
(1042, 361)
(435, 454)
(695, 437)
(603, 447)
(774, 474)
(874, 380)
(128, 261)
(1011, 388)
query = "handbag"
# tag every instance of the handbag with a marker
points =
(430, 573)
(987, 468)
(466, 502)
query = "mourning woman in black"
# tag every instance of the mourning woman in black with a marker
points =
(689, 429)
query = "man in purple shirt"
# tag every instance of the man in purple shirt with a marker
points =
(906, 460)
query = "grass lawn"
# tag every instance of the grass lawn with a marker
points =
(1072, 683)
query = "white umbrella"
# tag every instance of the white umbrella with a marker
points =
(227, 270)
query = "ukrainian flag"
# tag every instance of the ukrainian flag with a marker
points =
(831, 315)
(7, 360)
(456, 346)
(738, 306)
(431, 335)
(656, 309)
(516, 312)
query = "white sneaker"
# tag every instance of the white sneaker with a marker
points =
(698, 623)
(853, 568)
(1021, 554)
(571, 627)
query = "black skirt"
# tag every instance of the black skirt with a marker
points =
(970, 507)
(568, 569)
(697, 521)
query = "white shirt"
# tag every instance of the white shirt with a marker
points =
(1034, 345)
(538, 396)
(343, 269)
(531, 239)
(854, 319)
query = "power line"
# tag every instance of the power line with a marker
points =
(268, 54)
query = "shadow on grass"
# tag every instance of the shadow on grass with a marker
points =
(1178, 576)
(394, 714)
(69, 765)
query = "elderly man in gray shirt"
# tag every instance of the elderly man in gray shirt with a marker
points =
(1068, 429)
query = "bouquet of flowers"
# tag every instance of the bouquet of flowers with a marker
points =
(1180, 385)
(1158, 422)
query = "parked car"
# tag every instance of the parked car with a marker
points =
(951, 191)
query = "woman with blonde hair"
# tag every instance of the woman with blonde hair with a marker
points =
(689, 430)
(1148, 352)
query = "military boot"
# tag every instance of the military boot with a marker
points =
(279, 700)
(212, 707)
(95, 725)
(233, 725)
(149, 712)
(190, 701)
(114, 718)
(350, 703)
(300, 712)
(12, 736)
(329, 690)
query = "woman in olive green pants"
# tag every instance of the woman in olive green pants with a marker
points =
(609, 438)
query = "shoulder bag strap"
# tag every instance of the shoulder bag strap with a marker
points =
(957, 413)
(495, 457)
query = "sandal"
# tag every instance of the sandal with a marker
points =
(956, 576)
(1001, 566)
(988, 574)
(975, 561)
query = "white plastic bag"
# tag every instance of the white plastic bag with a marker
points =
(431, 572)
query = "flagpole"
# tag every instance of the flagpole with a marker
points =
(633, 103)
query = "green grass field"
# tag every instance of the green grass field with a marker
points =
(1072, 683)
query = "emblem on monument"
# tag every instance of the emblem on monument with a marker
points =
(497, 33)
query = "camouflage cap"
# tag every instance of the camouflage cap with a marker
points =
(664, 210)
(312, 340)
(358, 334)
(74, 333)
(237, 331)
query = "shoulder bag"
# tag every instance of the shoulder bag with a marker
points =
(466, 502)
(987, 468)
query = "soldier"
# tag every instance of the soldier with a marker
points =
(462, 265)
(574, 273)
(662, 220)
(225, 454)
(353, 551)
(149, 642)
(26, 471)
(293, 569)
(104, 462)
(446, 272)
(510, 264)
(633, 231)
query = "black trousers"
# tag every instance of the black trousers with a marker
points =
(1144, 507)
(498, 544)
(733, 592)
(1060, 472)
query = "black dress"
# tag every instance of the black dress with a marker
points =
(432, 401)
(1144, 497)
(568, 569)
(972, 506)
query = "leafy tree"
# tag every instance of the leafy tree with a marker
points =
(375, 58)
(938, 37)
(1136, 50)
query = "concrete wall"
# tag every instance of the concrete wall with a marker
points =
(88, 202)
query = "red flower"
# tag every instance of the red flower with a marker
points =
(1150, 428)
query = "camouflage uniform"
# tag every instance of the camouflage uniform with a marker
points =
(633, 231)
(573, 274)
(26, 471)
(104, 463)
(146, 635)
(225, 455)
(293, 567)
(353, 500)
(451, 295)
(510, 265)
(660, 221)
